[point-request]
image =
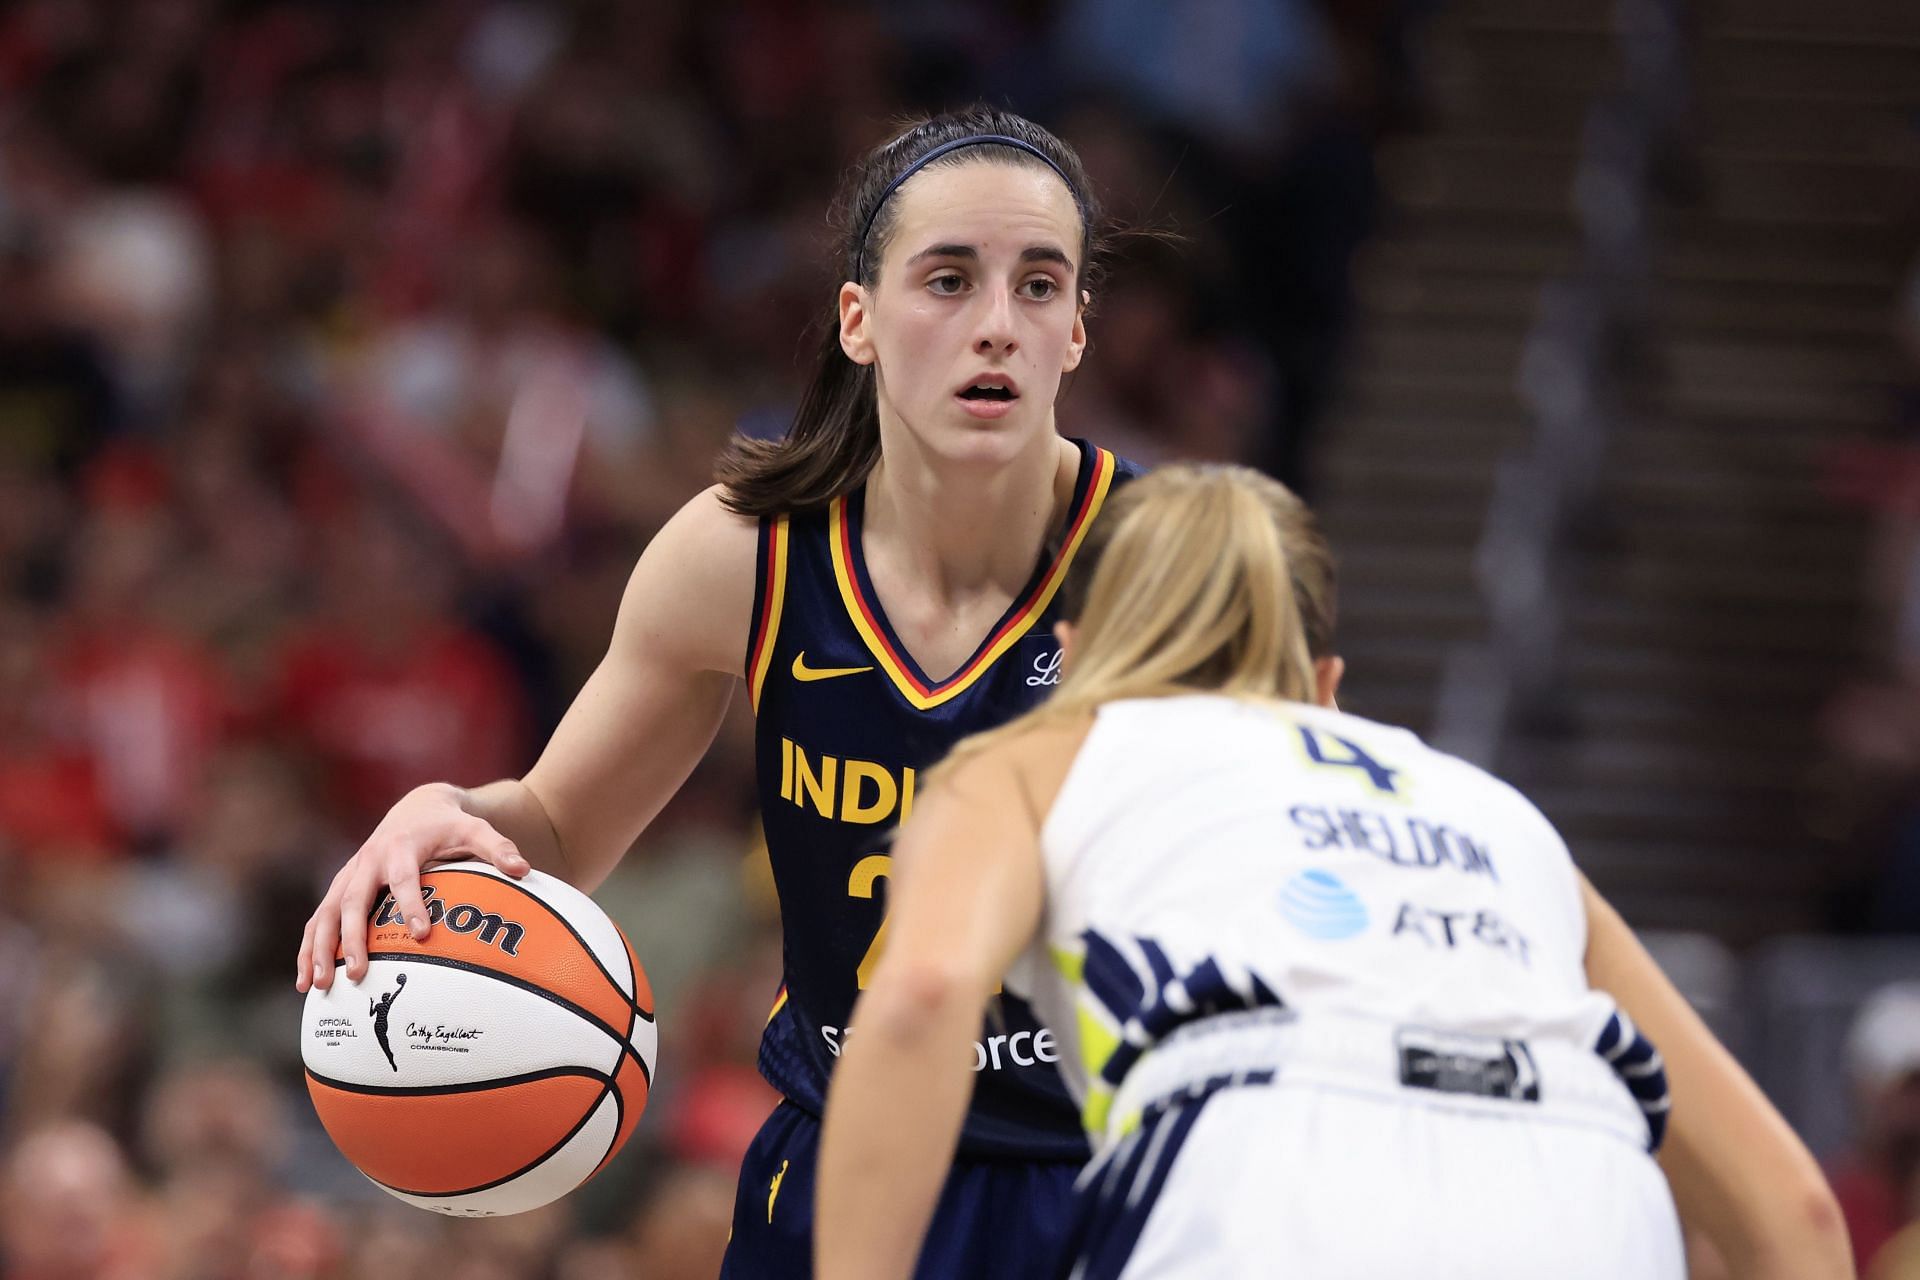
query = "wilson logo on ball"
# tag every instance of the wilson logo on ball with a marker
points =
(461, 918)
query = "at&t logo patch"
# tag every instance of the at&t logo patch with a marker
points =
(1321, 906)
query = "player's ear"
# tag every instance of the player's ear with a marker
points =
(1326, 679)
(855, 338)
(1077, 342)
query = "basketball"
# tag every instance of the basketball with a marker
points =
(495, 1066)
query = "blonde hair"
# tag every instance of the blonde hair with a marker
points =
(1194, 579)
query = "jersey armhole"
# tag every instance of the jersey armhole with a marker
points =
(769, 595)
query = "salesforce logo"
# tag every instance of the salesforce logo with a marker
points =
(1320, 906)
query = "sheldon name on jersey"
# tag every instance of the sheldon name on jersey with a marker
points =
(1405, 840)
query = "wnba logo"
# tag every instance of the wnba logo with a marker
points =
(377, 1009)
(464, 918)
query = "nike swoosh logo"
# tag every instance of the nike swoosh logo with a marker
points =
(803, 672)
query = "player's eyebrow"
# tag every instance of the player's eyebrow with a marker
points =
(1047, 253)
(966, 252)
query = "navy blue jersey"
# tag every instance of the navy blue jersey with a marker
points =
(846, 721)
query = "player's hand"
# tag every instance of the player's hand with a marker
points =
(426, 827)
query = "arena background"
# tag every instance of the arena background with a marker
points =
(350, 352)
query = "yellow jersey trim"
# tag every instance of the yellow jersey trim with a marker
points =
(773, 597)
(866, 622)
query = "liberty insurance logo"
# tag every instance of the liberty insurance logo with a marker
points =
(1046, 670)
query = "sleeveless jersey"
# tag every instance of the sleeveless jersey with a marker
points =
(845, 721)
(1207, 854)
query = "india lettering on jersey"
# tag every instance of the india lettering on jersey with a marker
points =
(863, 792)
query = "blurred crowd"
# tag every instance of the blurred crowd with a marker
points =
(349, 353)
(1874, 725)
(1873, 730)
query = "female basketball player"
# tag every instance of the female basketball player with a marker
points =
(882, 580)
(1326, 995)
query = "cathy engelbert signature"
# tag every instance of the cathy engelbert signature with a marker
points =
(441, 1034)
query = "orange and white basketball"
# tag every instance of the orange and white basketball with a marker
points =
(497, 1065)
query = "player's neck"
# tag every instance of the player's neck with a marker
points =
(965, 530)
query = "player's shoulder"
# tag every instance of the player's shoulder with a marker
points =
(1450, 773)
(692, 591)
(1360, 728)
(706, 545)
(707, 527)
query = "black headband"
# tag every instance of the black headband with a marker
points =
(971, 140)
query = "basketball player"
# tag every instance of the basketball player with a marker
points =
(1327, 995)
(882, 581)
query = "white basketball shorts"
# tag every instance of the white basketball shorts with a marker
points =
(1301, 1174)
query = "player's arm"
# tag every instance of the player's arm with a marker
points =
(633, 734)
(649, 712)
(1739, 1174)
(965, 899)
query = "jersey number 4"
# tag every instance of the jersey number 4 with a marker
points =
(1354, 757)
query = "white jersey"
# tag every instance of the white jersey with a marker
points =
(1324, 1000)
(1209, 854)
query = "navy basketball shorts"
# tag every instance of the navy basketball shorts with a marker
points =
(1001, 1218)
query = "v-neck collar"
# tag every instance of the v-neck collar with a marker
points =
(844, 524)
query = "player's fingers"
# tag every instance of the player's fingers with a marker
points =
(403, 877)
(326, 937)
(323, 931)
(303, 963)
(354, 904)
(314, 964)
(495, 848)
